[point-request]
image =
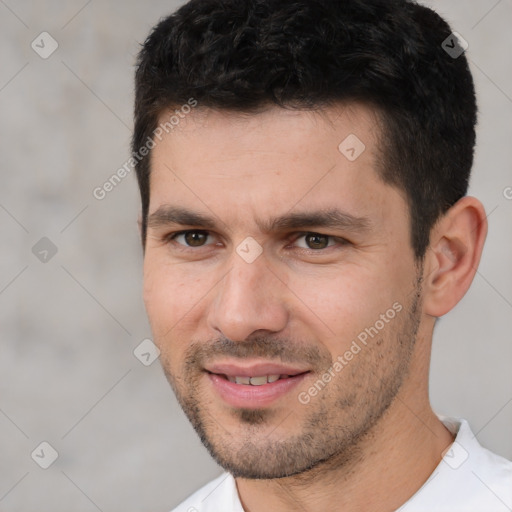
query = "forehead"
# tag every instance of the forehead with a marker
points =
(322, 129)
(257, 165)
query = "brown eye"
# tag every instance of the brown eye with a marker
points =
(195, 238)
(192, 238)
(316, 241)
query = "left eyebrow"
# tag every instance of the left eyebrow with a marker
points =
(329, 218)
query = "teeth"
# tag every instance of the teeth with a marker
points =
(259, 381)
(256, 381)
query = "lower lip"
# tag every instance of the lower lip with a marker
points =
(253, 397)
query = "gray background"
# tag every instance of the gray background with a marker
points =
(68, 327)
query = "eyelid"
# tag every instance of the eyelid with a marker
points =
(171, 237)
(340, 240)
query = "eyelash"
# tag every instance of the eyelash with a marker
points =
(171, 237)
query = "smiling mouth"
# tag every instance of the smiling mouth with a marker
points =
(259, 380)
(254, 386)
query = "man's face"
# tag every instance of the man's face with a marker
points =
(293, 256)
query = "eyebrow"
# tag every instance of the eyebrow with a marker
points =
(326, 218)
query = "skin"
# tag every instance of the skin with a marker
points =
(371, 426)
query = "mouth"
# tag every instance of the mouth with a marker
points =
(258, 380)
(253, 385)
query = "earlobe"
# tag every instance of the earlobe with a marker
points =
(452, 259)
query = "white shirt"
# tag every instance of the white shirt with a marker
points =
(469, 478)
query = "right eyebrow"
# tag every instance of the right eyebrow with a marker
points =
(168, 214)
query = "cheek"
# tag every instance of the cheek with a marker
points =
(348, 300)
(172, 297)
(155, 292)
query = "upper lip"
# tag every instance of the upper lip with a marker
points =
(253, 369)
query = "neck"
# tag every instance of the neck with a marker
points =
(387, 467)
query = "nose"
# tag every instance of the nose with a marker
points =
(249, 298)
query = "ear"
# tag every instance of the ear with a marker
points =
(451, 261)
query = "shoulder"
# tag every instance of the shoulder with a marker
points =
(490, 478)
(469, 478)
(219, 494)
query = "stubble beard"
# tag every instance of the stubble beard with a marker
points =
(327, 432)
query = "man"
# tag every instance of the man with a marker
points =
(303, 168)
